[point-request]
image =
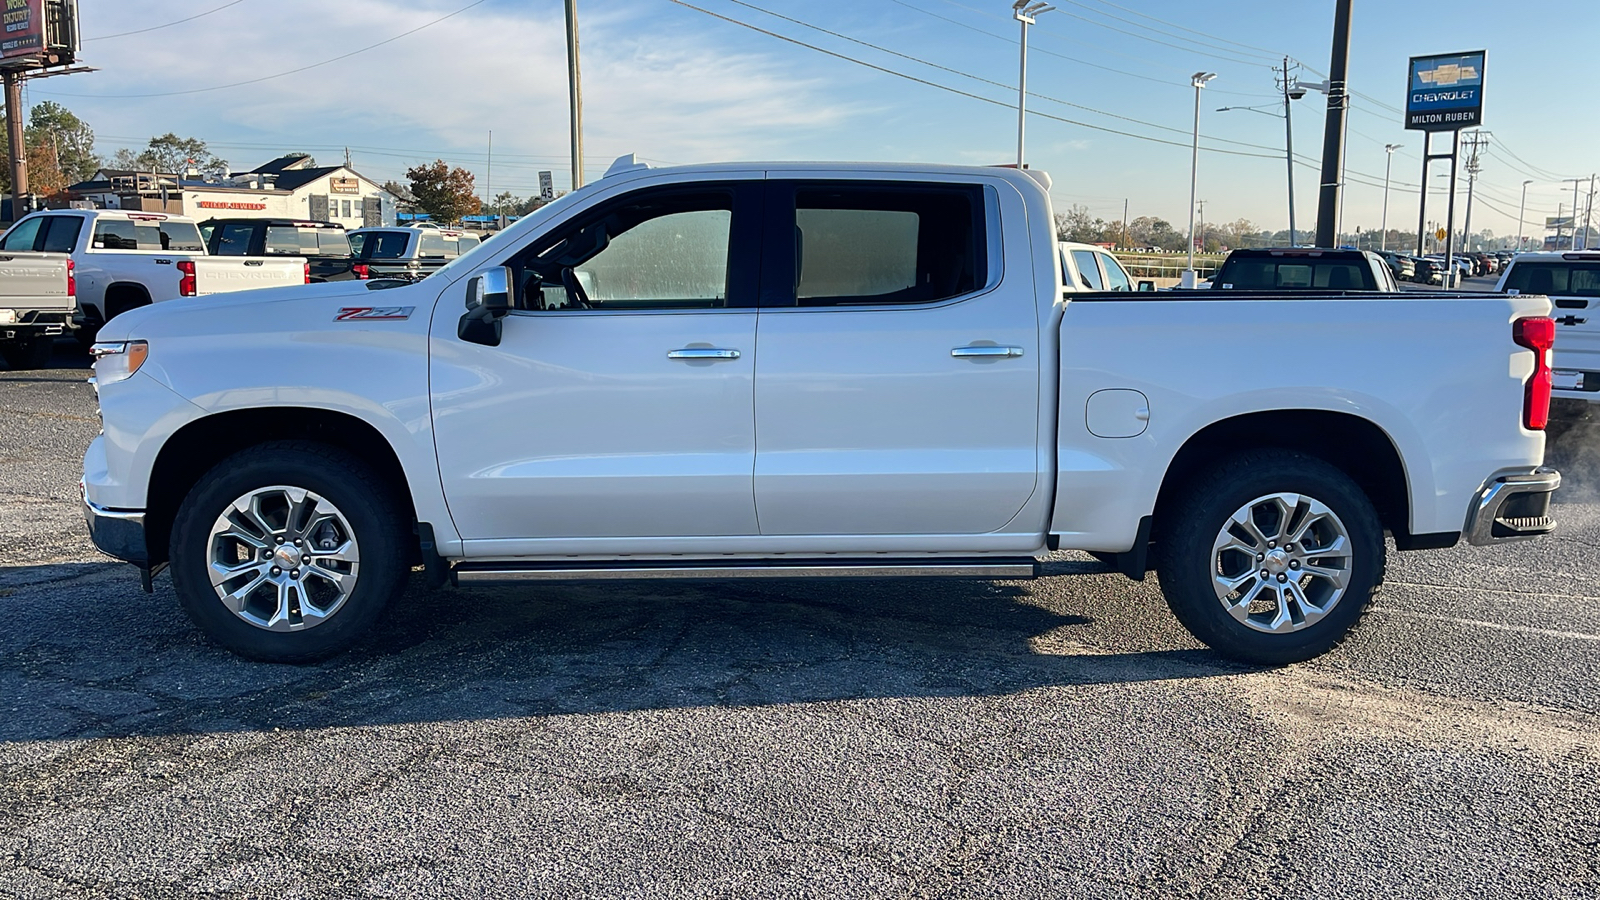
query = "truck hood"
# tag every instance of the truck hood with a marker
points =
(301, 307)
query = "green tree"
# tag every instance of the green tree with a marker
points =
(445, 194)
(69, 139)
(172, 154)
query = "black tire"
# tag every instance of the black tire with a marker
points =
(1186, 563)
(29, 352)
(368, 504)
(89, 331)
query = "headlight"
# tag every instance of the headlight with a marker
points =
(117, 360)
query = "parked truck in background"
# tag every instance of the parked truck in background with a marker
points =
(580, 399)
(323, 245)
(124, 260)
(36, 302)
(409, 253)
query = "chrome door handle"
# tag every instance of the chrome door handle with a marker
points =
(970, 352)
(702, 353)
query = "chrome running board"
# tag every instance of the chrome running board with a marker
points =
(489, 573)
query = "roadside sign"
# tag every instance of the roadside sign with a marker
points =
(1445, 93)
(24, 32)
(547, 187)
(1441, 234)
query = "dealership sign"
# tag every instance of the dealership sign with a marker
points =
(1445, 92)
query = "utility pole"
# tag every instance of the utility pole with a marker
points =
(1575, 204)
(576, 94)
(1388, 162)
(488, 176)
(1124, 221)
(1333, 130)
(1475, 139)
(1288, 146)
(1522, 208)
(1024, 11)
(19, 155)
(1588, 207)
(1202, 232)
(1199, 80)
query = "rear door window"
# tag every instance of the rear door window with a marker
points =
(117, 234)
(284, 240)
(62, 236)
(432, 245)
(1116, 278)
(1088, 269)
(179, 236)
(332, 242)
(235, 239)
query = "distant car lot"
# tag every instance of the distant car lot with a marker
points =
(1053, 738)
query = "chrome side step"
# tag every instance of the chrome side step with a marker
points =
(489, 573)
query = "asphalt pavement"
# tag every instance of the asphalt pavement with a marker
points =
(1060, 737)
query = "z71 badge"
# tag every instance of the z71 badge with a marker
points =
(368, 313)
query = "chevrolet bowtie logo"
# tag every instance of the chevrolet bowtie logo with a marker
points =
(1448, 74)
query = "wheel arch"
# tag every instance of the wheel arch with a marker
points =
(122, 296)
(1353, 444)
(199, 445)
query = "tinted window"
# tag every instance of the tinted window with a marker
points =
(1568, 279)
(1088, 270)
(182, 236)
(332, 242)
(284, 240)
(117, 234)
(886, 244)
(380, 244)
(235, 239)
(63, 234)
(467, 243)
(432, 244)
(23, 234)
(1116, 278)
(661, 252)
(1269, 274)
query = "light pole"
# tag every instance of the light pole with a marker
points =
(1389, 161)
(1199, 81)
(1522, 208)
(1024, 11)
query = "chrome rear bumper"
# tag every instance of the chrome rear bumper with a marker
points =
(1513, 508)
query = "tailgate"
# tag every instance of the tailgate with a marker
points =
(224, 274)
(34, 281)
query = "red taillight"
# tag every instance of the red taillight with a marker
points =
(361, 271)
(186, 283)
(72, 279)
(1537, 333)
(308, 273)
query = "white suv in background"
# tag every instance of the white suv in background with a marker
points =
(1571, 279)
(1086, 267)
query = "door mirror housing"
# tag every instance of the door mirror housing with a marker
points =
(1147, 285)
(488, 300)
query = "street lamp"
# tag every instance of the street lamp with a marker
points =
(1199, 80)
(1388, 161)
(1521, 208)
(1024, 11)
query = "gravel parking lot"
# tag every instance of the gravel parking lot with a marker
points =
(1062, 737)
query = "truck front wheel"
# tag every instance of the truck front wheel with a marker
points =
(1271, 557)
(288, 551)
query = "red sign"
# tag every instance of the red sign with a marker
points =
(24, 28)
(219, 204)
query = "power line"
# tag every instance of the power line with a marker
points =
(1270, 54)
(1275, 54)
(942, 87)
(107, 37)
(221, 87)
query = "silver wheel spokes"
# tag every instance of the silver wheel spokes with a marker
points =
(1281, 562)
(282, 558)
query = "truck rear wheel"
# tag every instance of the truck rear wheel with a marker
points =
(1271, 557)
(288, 551)
(32, 352)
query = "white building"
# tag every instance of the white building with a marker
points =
(290, 187)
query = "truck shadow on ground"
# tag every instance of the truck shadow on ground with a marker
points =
(92, 656)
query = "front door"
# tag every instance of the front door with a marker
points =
(619, 403)
(897, 390)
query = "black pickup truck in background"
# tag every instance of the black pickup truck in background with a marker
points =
(324, 245)
(1306, 269)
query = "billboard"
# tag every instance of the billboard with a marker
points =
(1445, 93)
(24, 28)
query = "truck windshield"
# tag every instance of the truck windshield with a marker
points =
(1568, 279)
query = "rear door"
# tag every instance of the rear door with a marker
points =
(31, 281)
(1573, 285)
(897, 378)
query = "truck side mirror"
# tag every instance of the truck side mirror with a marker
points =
(1147, 285)
(488, 300)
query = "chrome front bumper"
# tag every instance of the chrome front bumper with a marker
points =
(118, 532)
(1513, 508)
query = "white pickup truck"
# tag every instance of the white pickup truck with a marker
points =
(124, 260)
(806, 370)
(1572, 280)
(36, 305)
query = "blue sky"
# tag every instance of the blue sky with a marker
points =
(676, 85)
